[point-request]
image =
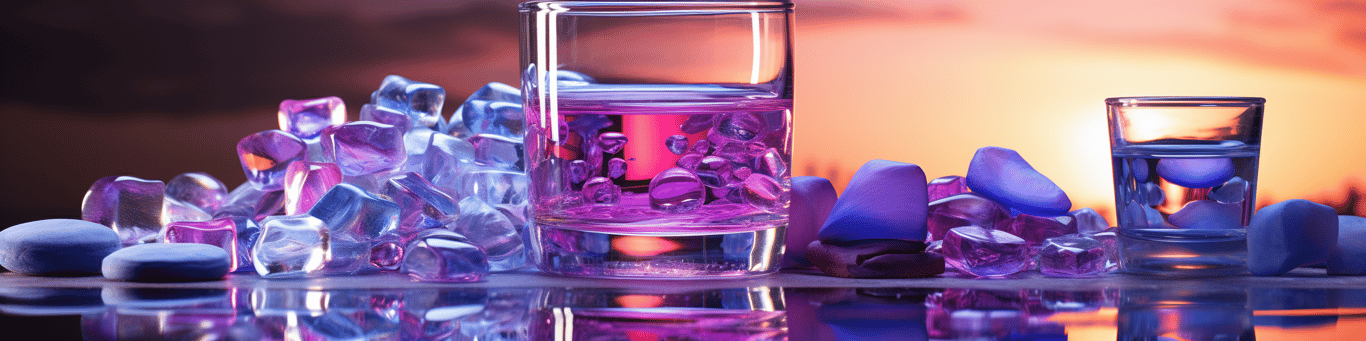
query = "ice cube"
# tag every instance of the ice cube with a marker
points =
(364, 147)
(770, 163)
(496, 186)
(219, 232)
(421, 204)
(1088, 220)
(742, 126)
(265, 155)
(492, 232)
(498, 151)
(764, 192)
(1072, 256)
(290, 246)
(174, 211)
(444, 258)
(947, 186)
(305, 182)
(578, 171)
(697, 123)
(129, 205)
(375, 113)
(348, 208)
(962, 210)
(306, 118)
(506, 119)
(985, 252)
(421, 101)
(197, 189)
(716, 172)
(1033, 229)
(446, 159)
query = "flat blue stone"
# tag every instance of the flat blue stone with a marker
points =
(161, 262)
(884, 200)
(1003, 176)
(1349, 258)
(1290, 234)
(1196, 173)
(56, 247)
(812, 199)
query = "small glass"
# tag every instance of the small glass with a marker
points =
(1185, 171)
(659, 136)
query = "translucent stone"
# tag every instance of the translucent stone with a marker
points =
(247, 234)
(197, 189)
(1072, 256)
(505, 119)
(676, 190)
(600, 190)
(985, 252)
(350, 209)
(677, 144)
(1034, 230)
(715, 172)
(446, 158)
(175, 211)
(770, 163)
(1141, 215)
(421, 205)
(1109, 240)
(290, 246)
(305, 182)
(1232, 192)
(1208, 214)
(387, 255)
(947, 186)
(364, 147)
(421, 101)
(219, 232)
(497, 150)
(616, 167)
(496, 186)
(1153, 194)
(764, 192)
(375, 113)
(1088, 220)
(129, 205)
(743, 126)
(612, 142)
(265, 155)
(492, 232)
(962, 210)
(697, 123)
(588, 125)
(578, 171)
(441, 258)
(701, 147)
(689, 161)
(739, 152)
(306, 118)
(1196, 172)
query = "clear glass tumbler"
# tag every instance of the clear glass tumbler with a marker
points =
(659, 136)
(1185, 171)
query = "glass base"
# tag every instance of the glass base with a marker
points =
(1183, 253)
(659, 254)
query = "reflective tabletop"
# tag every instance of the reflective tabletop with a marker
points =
(788, 306)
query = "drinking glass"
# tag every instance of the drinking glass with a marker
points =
(1185, 171)
(659, 136)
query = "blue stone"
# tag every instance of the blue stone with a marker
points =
(491, 92)
(884, 200)
(1290, 234)
(421, 101)
(812, 199)
(1196, 173)
(1208, 214)
(1349, 258)
(167, 262)
(499, 118)
(1003, 176)
(347, 209)
(56, 247)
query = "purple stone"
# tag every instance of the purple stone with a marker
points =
(770, 163)
(1034, 230)
(677, 144)
(1088, 220)
(444, 258)
(742, 126)
(265, 155)
(374, 113)
(305, 182)
(946, 186)
(877, 258)
(697, 123)
(306, 118)
(716, 172)
(578, 171)
(764, 192)
(612, 142)
(363, 147)
(1003, 176)
(351, 210)
(690, 161)
(1109, 239)
(884, 200)
(421, 205)
(962, 210)
(985, 252)
(676, 190)
(129, 205)
(1072, 256)
(1197, 172)
(701, 147)
(387, 255)
(739, 152)
(173, 211)
(219, 232)
(616, 167)
(421, 101)
(199, 190)
(497, 151)
(600, 190)
(812, 199)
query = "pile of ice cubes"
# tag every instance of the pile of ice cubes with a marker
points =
(400, 190)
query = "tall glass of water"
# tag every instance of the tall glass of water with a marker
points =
(659, 136)
(1185, 171)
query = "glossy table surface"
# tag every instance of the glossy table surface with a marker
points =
(799, 305)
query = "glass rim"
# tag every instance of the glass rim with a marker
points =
(654, 5)
(1204, 101)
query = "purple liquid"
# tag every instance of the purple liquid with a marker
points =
(665, 214)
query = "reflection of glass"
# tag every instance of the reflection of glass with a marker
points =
(1177, 314)
(1185, 171)
(724, 314)
(659, 135)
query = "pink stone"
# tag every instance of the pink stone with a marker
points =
(220, 232)
(962, 210)
(306, 118)
(947, 186)
(265, 155)
(306, 181)
(985, 252)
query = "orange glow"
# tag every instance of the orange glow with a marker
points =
(639, 301)
(1346, 328)
(1312, 312)
(642, 246)
(257, 163)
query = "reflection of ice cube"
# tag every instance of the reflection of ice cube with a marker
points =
(1208, 214)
